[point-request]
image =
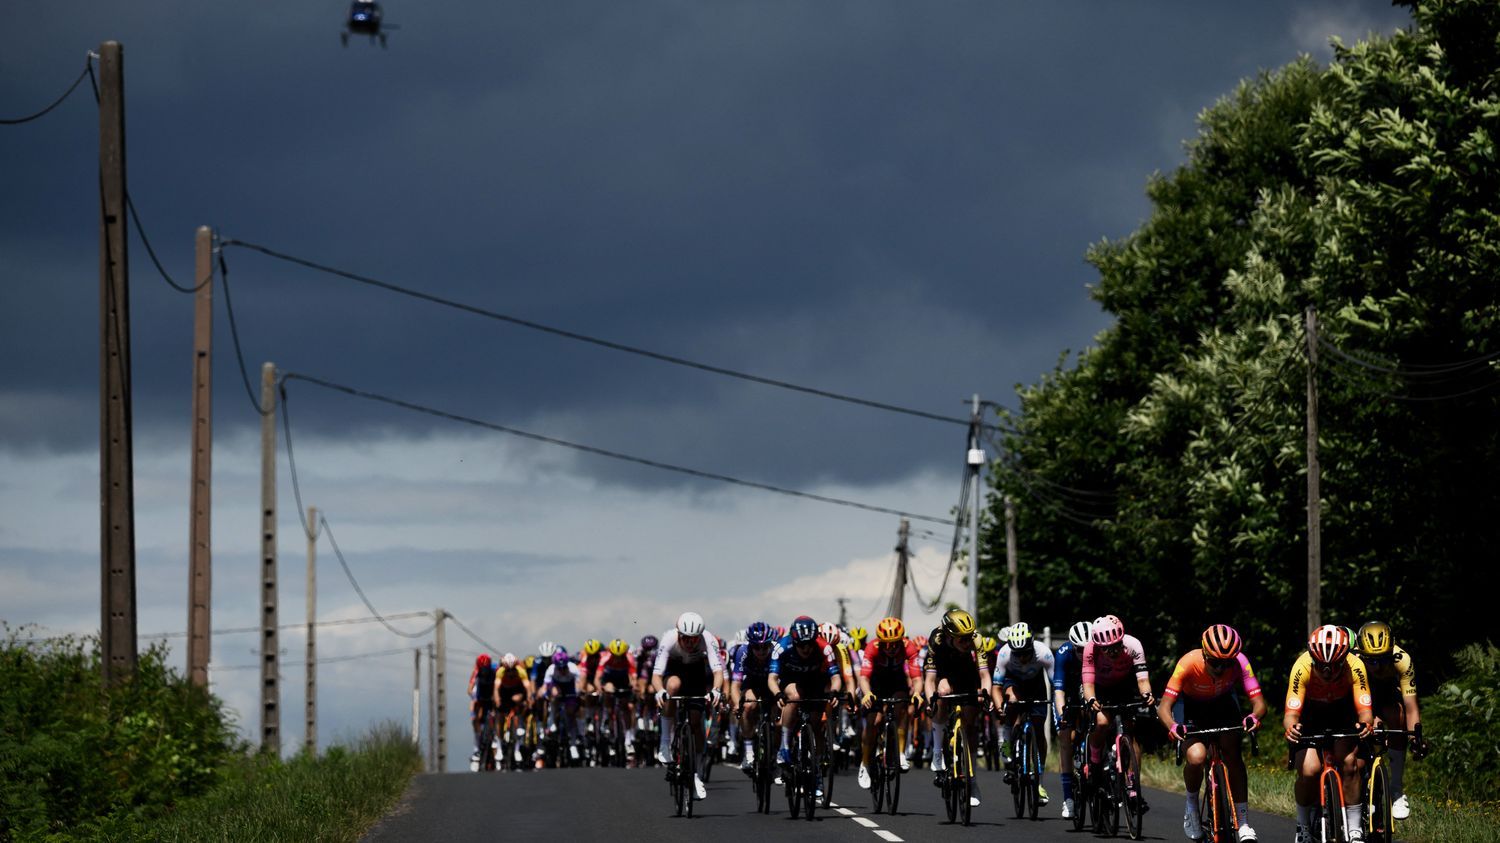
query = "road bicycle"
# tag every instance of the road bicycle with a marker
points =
(763, 771)
(1328, 817)
(512, 739)
(1216, 811)
(687, 747)
(1027, 762)
(805, 760)
(1110, 787)
(1375, 787)
(486, 761)
(989, 742)
(561, 743)
(957, 777)
(611, 739)
(647, 733)
(885, 773)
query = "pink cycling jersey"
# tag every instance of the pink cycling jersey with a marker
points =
(1103, 670)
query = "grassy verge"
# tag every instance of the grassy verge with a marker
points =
(336, 797)
(1271, 792)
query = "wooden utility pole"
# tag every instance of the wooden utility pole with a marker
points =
(270, 643)
(200, 497)
(117, 627)
(903, 559)
(1314, 495)
(1011, 568)
(442, 695)
(431, 709)
(312, 632)
(416, 696)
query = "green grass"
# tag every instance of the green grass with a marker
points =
(1432, 821)
(335, 797)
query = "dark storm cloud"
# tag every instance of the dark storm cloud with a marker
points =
(890, 200)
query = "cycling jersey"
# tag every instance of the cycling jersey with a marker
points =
(564, 677)
(611, 663)
(792, 666)
(1101, 669)
(644, 661)
(1193, 680)
(841, 654)
(1011, 670)
(511, 677)
(482, 682)
(1067, 671)
(1307, 686)
(1397, 670)
(962, 668)
(672, 650)
(877, 660)
(748, 668)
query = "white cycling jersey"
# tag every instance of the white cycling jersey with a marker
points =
(564, 675)
(1018, 672)
(671, 649)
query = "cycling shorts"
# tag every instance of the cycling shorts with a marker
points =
(696, 680)
(1220, 712)
(1336, 716)
(1385, 694)
(808, 686)
(758, 685)
(887, 684)
(1120, 693)
(617, 678)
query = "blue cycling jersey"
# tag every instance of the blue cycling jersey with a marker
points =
(1067, 670)
(744, 666)
(787, 662)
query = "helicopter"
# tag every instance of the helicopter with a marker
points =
(365, 19)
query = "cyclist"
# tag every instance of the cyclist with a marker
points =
(1328, 692)
(748, 674)
(616, 667)
(513, 690)
(560, 688)
(803, 666)
(588, 663)
(687, 665)
(1024, 670)
(1067, 685)
(834, 637)
(954, 665)
(1207, 680)
(889, 668)
(1393, 688)
(481, 699)
(1109, 659)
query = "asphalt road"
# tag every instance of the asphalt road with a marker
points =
(627, 805)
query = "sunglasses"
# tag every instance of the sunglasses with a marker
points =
(1218, 665)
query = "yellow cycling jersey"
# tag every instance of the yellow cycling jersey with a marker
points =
(846, 667)
(510, 677)
(1398, 668)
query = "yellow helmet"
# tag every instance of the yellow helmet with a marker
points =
(530, 662)
(958, 623)
(986, 645)
(858, 635)
(592, 646)
(618, 647)
(1375, 639)
(889, 630)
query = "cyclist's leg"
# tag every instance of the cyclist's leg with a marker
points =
(1308, 764)
(673, 686)
(1346, 755)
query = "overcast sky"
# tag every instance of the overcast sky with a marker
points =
(885, 199)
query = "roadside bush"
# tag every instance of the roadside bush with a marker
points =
(1458, 719)
(73, 752)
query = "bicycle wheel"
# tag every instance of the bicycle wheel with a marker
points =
(1031, 768)
(877, 770)
(1221, 807)
(963, 766)
(1113, 797)
(808, 765)
(1133, 814)
(1332, 825)
(1082, 792)
(893, 785)
(674, 776)
(1378, 825)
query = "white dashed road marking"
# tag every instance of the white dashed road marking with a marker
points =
(867, 823)
(889, 836)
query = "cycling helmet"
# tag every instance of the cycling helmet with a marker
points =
(1003, 635)
(1220, 641)
(858, 635)
(1328, 644)
(830, 632)
(1080, 633)
(1020, 636)
(921, 641)
(618, 647)
(546, 649)
(508, 661)
(890, 629)
(648, 643)
(1375, 639)
(689, 624)
(560, 657)
(781, 632)
(758, 633)
(530, 662)
(958, 623)
(804, 630)
(592, 646)
(1108, 630)
(987, 644)
(483, 660)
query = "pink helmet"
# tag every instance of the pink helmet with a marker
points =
(1108, 630)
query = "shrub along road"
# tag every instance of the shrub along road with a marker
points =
(609, 804)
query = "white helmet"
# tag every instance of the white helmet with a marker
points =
(508, 660)
(690, 623)
(830, 632)
(1080, 633)
(546, 649)
(1004, 635)
(1020, 636)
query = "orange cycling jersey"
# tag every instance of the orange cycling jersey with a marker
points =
(1194, 680)
(1308, 686)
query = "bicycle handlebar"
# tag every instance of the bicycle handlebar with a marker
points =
(1214, 731)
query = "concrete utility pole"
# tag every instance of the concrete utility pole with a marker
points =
(431, 709)
(976, 464)
(416, 696)
(442, 694)
(117, 627)
(844, 612)
(903, 559)
(200, 496)
(312, 639)
(1010, 560)
(1314, 495)
(270, 643)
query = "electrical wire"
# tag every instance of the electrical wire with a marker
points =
(469, 632)
(234, 333)
(592, 340)
(590, 449)
(319, 660)
(311, 531)
(361, 592)
(161, 270)
(237, 630)
(88, 69)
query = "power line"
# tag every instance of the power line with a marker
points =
(161, 270)
(361, 592)
(234, 333)
(590, 449)
(88, 68)
(469, 632)
(319, 660)
(592, 340)
(237, 630)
